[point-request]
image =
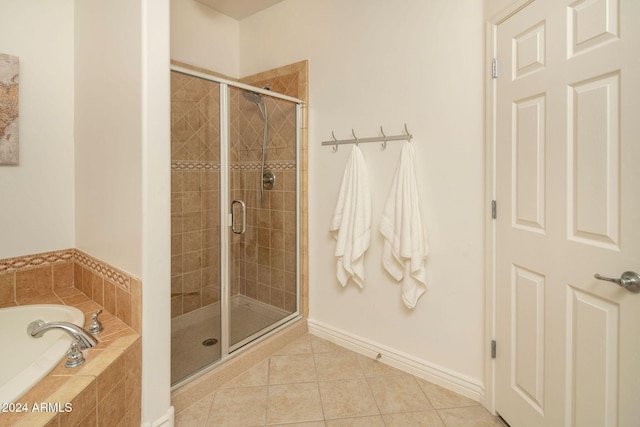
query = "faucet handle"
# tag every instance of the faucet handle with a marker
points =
(74, 356)
(95, 327)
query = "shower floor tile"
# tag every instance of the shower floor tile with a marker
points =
(300, 386)
(189, 332)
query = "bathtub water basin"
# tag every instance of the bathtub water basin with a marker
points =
(26, 360)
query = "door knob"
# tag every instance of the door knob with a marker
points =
(630, 280)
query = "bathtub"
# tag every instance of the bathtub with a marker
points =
(26, 360)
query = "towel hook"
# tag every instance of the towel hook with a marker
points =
(406, 131)
(384, 143)
(335, 147)
(354, 137)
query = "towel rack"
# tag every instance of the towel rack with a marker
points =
(355, 140)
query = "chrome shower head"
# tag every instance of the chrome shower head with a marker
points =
(256, 98)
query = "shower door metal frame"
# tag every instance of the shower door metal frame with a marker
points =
(227, 350)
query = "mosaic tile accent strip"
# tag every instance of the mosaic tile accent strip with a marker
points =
(195, 166)
(215, 166)
(267, 165)
(11, 265)
(103, 270)
(27, 262)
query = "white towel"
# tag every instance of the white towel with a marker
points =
(351, 221)
(405, 246)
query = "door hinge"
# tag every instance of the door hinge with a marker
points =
(493, 349)
(494, 209)
(494, 68)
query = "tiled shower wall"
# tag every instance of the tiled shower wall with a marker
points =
(264, 266)
(195, 195)
(293, 80)
(264, 258)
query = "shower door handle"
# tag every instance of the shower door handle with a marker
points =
(233, 216)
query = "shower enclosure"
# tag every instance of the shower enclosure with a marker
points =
(234, 217)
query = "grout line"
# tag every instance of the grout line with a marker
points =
(210, 409)
(366, 381)
(266, 411)
(424, 393)
(317, 382)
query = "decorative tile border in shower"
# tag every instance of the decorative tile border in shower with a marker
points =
(269, 165)
(104, 270)
(195, 165)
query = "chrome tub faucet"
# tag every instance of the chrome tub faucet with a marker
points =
(81, 338)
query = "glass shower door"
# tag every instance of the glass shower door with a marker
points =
(234, 217)
(195, 225)
(263, 201)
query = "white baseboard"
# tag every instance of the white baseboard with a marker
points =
(439, 375)
(167, 420)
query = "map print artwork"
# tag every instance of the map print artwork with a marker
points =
(8, 109)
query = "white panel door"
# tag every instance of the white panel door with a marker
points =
(568, 197)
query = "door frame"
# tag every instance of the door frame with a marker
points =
(491, 48)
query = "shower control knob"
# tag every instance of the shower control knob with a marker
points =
(268, 180)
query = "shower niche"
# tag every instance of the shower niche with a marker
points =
(234, 217)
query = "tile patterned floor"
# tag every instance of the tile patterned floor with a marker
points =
(313, 382)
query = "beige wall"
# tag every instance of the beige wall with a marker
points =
(492, 7)
(376, 63)
(156, 214)
(36, 197)
(202, 37)
(78, 179)
(108, 132)
(122, 181)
